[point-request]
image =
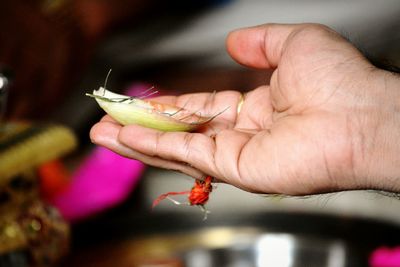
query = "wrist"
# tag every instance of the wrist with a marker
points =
(381, 145)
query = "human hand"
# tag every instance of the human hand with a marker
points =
(327, 121)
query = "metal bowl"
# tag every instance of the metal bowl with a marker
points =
(232, 240)
(248, 247)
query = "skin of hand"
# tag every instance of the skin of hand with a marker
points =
(328, 121)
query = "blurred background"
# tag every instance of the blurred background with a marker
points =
(90, 207)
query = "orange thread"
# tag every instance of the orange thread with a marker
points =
(198, 195)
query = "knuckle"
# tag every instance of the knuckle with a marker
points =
(316, 28)
(313, 30)
(155, 151)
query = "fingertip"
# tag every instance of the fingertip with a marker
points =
(230, 42)
(259, 46)
(95, 133)
(103, 132)
(244, 44)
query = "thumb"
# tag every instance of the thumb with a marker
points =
(260, 46)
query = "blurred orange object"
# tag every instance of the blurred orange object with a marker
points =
(54, 178)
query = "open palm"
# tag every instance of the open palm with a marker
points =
(300, 134)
